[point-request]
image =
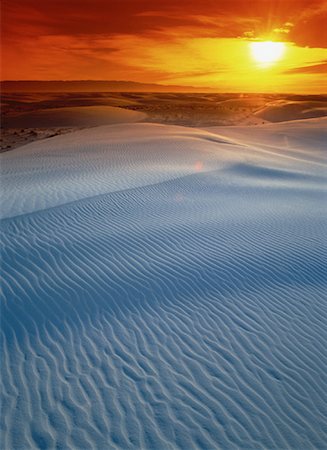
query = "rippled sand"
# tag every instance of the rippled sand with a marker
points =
(165, 287)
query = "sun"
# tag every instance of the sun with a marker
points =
(267, 52)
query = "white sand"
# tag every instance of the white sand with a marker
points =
(164, 287)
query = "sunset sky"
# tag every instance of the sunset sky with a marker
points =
(190, 43)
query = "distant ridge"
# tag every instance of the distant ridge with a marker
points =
(93, 86)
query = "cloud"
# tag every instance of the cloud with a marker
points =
(149, 40)
(310, 27)
(284, 29)
(319, 68)
(224, 18)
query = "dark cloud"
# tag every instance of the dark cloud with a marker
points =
(311, 28)
(312, 69)
(230, 18)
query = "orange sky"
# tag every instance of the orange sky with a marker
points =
(190, 43)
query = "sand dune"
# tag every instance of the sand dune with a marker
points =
(26, 117)
(283, 110)
(74, 116)
(305, 139)
(164, 287)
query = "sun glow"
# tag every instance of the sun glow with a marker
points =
(267, 52)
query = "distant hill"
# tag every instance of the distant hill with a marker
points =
(92, 86)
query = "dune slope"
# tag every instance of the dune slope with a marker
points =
(164, 288)
(74, 116)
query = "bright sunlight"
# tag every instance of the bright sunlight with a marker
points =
(267, 52)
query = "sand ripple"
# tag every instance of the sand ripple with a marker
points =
(180, 304)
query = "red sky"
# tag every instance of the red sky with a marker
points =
(194, 42)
